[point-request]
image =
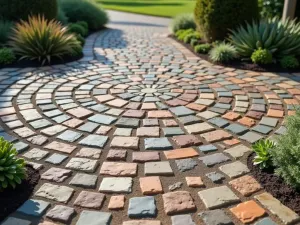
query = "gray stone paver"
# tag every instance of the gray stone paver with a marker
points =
(135, 96)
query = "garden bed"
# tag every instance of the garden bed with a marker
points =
(29, 63)
(237, 64)
(275, 185)
(11, 199)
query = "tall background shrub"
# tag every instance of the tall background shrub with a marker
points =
(21, 9)
(84, 10)
(214, 18)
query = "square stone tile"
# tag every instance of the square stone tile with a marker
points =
(55, 192)
(118, 169)
(116, 155)
(186, 140)
(251, 137)
(182, 111)
(215, 217)
(217, 135)
(172, 131)
(103, 119)
(125, 142)
(148, 132)
(236, 129)
(89, 199)
(56, 159)
(140, 207)
(93, 153)
(94, 218)
(157, 144)
(34, 207)
(158, 168)
(178, 202)
(116, 202)
(123, 132)
(234, 169)
(237, 151)
(56, 174)
(59, 146)
(36, 154)
(69, 136)
(199, 128)
(80, 112)
(82, 164)
(142, 157)
(248, 211)
(116, 185)
(181, 153)
(150, 185)
(246, 185)
(94, 140)
(15, 221)
(61, 213)
(218, 197)
(84, 180)
(211, 160)
(194, 182)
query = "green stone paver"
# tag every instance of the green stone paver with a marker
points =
(140, 97)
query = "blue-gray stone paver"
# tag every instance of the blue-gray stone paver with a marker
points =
(182, 220)
(141, 207)
(103, 119)
(207, 148)
(236, 129)
(220, 122)
(69, 136)
(251, 137)
(157, 144)
(56, 158)
(215, 177)
(211, 160)
(185, 164)
(34, 207)
(94, 218)
(181, 111)
(172, 131)
(89, 127)
(262, 129)
(94, 140)
(265, 221)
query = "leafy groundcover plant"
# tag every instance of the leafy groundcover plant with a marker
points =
(40, 39)
(263, 156)
(12, 169)
(183, 22)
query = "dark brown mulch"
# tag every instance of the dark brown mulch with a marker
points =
(276, 186)
(11, 199)
(237, 64)
(29, 63)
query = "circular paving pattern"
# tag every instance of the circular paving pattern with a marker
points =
(143, 131)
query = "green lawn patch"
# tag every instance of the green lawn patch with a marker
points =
(165, 8)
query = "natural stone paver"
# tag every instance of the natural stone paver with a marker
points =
(56, 174)
(246, 185)
(82, 164)
(215, 217)
(248, 211)
(218, 197)
(265, 221)
(94, 218)
(91, 200)
(140, 97)
(194, 181)
(33, 207)
(178, 202)
(182, 219)
(61, 213)
(84, 180)
(285, 214)
(158, 168)
(116, 185)
(234, 169)
(142, 207)
(55, 192)
(16, 221)
(116, 202)
(150, 185)
(118, 169)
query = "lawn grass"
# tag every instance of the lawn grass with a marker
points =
(165, 8)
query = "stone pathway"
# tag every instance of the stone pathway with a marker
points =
(141, 131)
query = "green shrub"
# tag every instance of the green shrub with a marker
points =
(39, 39)
(280, 38)
(5, 31)
(78, 51)
(194, 42)
(214, 18)
(12, 169)
(203, 48)
(223, 52)
(6, 56)
(289, 62)
(263, 156)
(61, 17)
(195, 35)
(286, 153)
(183, 22)
(22, 9)
(271, 8)
(262, 56)
(181, 34)
(80, 39)
(77, 29)
(85, 10)
(83, 24)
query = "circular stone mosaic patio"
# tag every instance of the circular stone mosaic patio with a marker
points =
(141, 131)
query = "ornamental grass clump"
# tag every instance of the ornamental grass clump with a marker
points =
(183, 22)
(42, 40)
(286, 153)
(12, 169)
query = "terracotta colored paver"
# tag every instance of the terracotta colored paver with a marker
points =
(150, 185)
(248, 211)
(181, 153)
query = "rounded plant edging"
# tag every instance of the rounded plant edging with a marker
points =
(11, 199)
(275, 185)
(239, 64)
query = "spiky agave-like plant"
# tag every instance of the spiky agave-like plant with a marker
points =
(40, 39)
(12, 169)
